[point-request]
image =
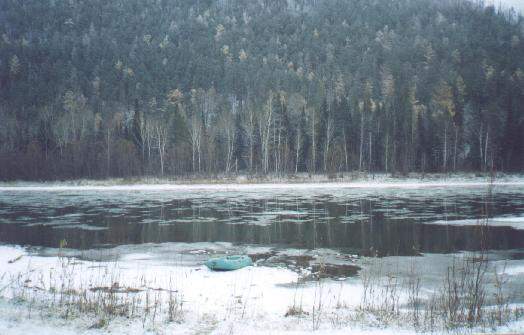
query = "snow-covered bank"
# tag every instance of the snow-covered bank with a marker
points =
(246, 184)
(171, 292)
(254, 298)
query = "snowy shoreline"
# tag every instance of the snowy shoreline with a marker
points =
(243, 183)
(48, 290)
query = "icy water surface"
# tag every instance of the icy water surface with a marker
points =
(388, 221)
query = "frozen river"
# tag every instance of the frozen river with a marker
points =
(366, 221)
(314, 247)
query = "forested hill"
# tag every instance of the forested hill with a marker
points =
(96, 88)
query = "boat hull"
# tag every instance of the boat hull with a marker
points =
(228, 263)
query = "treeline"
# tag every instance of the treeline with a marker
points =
(94, 89)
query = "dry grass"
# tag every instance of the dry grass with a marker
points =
(471, 295)
(63, 291)
(460, 302)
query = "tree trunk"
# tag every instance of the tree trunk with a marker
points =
(386, 153)
(265, 142)
(297, 151)
(161, 141)
(455, 149)
(230, 148)
(314, 147)
(486, 150)
(345, 150)
(370, 152)
(251, 139)
(361, 140)
(199, 150)
(445, 156)
(279, 153)
(161, 154)
(108, 156)
(481, 148)
(193, 154)
(329, 130)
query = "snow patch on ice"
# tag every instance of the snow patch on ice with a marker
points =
(516, 222)
(514, 270)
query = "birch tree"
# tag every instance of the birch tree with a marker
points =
(265, 122)
(297, 106)
(443, 97)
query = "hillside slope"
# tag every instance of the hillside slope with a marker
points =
(94, 89)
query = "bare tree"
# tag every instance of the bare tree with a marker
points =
(330, 131)
(160, 135)
(250, 126)
(195, 129)
(312, 116)
(265, 121)
(227, 125)
(365, 106)
(297, 105)
(330, 126)
(443, 98)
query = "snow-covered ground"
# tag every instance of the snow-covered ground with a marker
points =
(253, 300)
(243, 183)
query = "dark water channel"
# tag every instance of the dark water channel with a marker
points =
(365, 221)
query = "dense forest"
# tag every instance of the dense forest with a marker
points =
(122, 88)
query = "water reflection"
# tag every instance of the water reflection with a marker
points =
(375, 222)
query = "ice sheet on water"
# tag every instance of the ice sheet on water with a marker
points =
(518, 219)
(284, 212)
(515, 222)
(24, 218)
(260, 220)
(197, 219)
(54, 223)
(81, 227)
(297, 221)
(354, 218)
(514, 270)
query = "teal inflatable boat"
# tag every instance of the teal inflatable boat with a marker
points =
(229, 263)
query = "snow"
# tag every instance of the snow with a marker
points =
(255, 293)
(259, 187)
(515, 270)
(252, 300)
(516, 222)
(12, 322)
(313, 183)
